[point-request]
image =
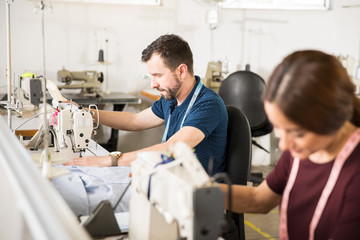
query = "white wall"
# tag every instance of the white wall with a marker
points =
(76, 31)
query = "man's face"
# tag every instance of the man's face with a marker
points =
(162, 78)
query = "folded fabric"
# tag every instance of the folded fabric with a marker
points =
(85, 187)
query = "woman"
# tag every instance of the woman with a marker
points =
(311, 102)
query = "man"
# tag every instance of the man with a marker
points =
(191, 112)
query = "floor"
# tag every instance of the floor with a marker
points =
(262, 226)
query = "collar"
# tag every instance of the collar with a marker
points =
(188, 98)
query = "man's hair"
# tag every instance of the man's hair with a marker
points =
(314, 90)
(172, 49)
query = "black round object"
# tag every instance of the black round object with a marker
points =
(244, 89)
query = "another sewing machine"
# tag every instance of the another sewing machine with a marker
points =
(214, 75)
(71, 121)
(173, 197)
(75, 123)
(67, 122)
(90, 81)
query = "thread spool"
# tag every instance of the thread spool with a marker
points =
(101, 55)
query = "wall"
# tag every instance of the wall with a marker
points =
(74, 33)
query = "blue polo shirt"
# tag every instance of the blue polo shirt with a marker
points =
(208, 114)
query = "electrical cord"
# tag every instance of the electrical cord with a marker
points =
(39, 140)
(97, 114)
(210, 166)
(224, 177)
(122, 195)
(27, 121)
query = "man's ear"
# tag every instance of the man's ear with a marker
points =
(183, 70)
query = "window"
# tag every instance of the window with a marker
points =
(279, 4)
(129, 2)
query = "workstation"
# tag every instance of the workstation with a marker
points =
(92, 52)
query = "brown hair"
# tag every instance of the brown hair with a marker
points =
(173, 50)
(313, 90)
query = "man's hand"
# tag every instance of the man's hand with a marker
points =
(103, 161)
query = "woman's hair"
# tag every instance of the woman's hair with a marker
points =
(172, 49)
(313, 90)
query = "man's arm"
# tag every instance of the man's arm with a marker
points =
(128, 121)
(190, 135)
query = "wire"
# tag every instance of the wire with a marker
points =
(91, 151)
(97, 114)
(39, 140)
(210, 166)
(227, 226)
(27, 121)
(56, 142)
(122, 195)
(225, 177)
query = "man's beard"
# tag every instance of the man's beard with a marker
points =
(173, 92)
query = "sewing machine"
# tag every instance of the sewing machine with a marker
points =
(75, 123)
(214, 75)
(90, 81)
(66, 120)
(29, 91)
(173, 197)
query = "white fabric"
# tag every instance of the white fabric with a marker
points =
(85, 187)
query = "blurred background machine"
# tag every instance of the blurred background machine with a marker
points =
(90, 85)
(88, 81)
(216, 72)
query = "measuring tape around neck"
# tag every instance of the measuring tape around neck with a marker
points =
(334, 174)
(192, 101)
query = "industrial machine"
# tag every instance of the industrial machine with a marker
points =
(66, 120)
(26, 95)
(75, 123)
(29, 91)
(70, 120)
(173, 197)
(215, 74)
(88, 81)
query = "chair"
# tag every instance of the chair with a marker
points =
(238, 155)
(244, 90)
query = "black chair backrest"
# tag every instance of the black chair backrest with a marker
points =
(238, 162)
(238, 157)
(244, 90)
